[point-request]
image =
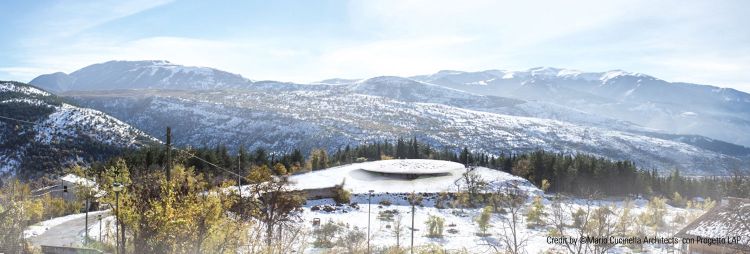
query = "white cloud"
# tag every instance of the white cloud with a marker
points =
(25, 72)
(674, 40)
(394, 57)
(514, 23)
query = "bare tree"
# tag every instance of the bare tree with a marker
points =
(475, 186)
(513, 199)
(398, 228)
(293, 238)
(569, 223)
(603, 223)
(594, 224)
(275, 203)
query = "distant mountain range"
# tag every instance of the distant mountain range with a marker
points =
(616, 114)
(53, 134)
(140, 75)
(681, 108)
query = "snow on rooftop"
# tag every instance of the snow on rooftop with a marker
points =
(72, 178)
(728, 219)
(413, 166)
(358, 180)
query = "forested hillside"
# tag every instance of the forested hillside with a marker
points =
(41, 134)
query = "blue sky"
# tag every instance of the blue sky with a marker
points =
(706, 42)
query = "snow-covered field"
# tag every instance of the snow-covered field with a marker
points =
(462, 220)
(460, 226)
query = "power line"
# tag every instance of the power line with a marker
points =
(18, 120)
(209, 163)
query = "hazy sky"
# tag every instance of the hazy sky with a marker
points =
(706, 42)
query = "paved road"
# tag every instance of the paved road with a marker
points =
(69, 233)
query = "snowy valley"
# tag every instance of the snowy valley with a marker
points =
(281, 116)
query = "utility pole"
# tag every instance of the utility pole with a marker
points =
(99, 217)
(88, 195)
(169, 154)
(119, 225)
(239, 174)
(369, 204)
(117, 222)
(412, 229)
(86, 227)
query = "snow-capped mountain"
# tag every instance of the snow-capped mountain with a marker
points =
(682, 108)
(140, 75)
(57, 134)
(495, 111)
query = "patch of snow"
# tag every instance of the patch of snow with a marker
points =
(107, 228)
(71, 121)
(9, 87)
(33, 102)
(8, 165)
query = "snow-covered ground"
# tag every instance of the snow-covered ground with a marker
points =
(460, 226)
(107, 228)
(41, 227)
(462, 220)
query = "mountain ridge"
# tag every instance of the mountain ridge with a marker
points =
(145, 74)
(338, 112)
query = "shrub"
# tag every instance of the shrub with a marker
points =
(435, 226)
(387, 215)
(353, 240)
(535, 215)
(342, 196)
(483, 220)
(325, 234)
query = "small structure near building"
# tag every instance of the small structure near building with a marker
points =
(68, 188)
(316, 222)
(319, 193)
(723, 229)
(68, 250)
